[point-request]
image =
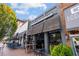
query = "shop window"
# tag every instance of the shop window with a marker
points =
(40, 41)
(54, 38)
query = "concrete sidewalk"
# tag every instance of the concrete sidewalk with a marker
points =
(14, 52)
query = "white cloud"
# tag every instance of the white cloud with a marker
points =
(20, 11)
(23, 8)
(29, 5)
(36, 5)
(32, 17)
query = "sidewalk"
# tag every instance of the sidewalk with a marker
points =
(15, 52)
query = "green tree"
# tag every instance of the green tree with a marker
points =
(8, 23)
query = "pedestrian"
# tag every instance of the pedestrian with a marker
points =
(1, 47)
(4, 42)
(14, 44)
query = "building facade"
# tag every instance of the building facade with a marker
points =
(21, 32)
(58, 25)
(69, 15)
(46, 30)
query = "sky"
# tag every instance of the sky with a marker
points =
(30, 11)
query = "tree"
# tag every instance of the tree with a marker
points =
(8, 23)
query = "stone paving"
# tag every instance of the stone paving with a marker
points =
(14, 52)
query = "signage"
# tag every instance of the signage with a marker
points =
(72, 16)
(75, 9)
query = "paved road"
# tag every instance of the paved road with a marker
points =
(14, 52)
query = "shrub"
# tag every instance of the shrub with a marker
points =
(61, 50)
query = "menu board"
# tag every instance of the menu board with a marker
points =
(72, 16)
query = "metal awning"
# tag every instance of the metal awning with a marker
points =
(38, 28)
(49, 24)
(52, 23)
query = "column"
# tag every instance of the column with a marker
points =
(22, 42)
(63, 37)
(33, 42)
(46, 42)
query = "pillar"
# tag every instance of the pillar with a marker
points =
(33, 42)
(46, 42)
(63, 37)
(22, 42)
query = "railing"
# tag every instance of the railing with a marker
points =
(45, 15)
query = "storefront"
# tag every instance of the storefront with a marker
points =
(70, 15)
(46, 30)
(58, 25)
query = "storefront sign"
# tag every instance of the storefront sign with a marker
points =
(75, 10)
(72, 16)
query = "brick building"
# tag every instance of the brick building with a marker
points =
(69, 16)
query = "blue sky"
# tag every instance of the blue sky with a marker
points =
(30, 11)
